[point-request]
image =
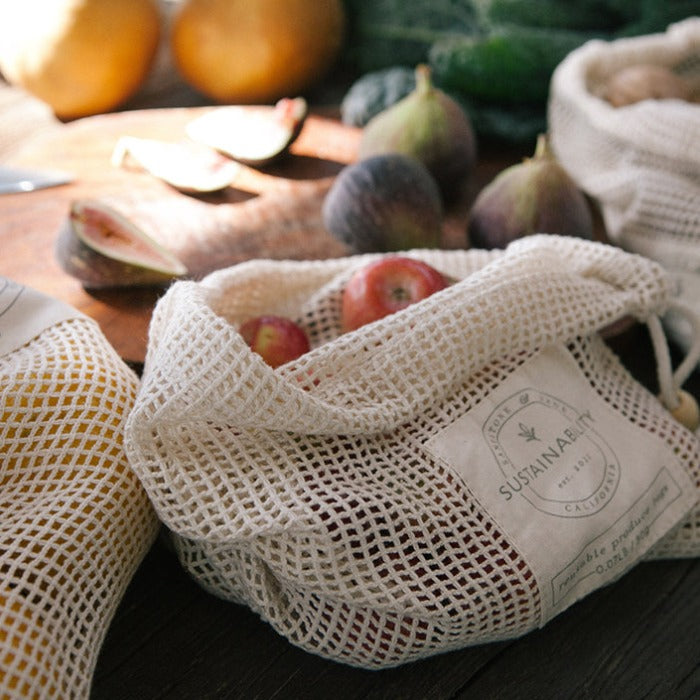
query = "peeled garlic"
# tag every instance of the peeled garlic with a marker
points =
(646, 82)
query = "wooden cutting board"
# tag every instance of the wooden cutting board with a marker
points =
(29, 222)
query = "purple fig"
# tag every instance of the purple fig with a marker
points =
(535, 196)
(384, 203)
(430, 126)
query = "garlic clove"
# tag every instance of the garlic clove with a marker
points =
(639, 82)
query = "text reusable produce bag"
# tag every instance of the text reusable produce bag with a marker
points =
(74, 521)
(456, 473)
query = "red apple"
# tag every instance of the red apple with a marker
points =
(276, 339)
(385, 286)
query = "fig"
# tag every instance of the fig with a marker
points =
(187, 167)
(534, 196)
(384, 203)
(251, 135)
(101, 248)
(429, 125)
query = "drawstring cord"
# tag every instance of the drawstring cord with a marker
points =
(670, 382)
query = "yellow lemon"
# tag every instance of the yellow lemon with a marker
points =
(255, 51)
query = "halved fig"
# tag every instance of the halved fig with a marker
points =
(101, 248)
(254, 136)
(189, 167)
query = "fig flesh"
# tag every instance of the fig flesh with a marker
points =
(384, 203)
(254, 136)
(188, 167)
(535, 196)
(101, 248)
(430, 126)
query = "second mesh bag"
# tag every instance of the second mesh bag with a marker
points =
(641, 161)
(456, 473)
(74, 521)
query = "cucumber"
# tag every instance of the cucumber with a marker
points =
(552, 14)
(510, 65)
(654, 16)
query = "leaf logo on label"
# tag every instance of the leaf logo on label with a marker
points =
(551, 454)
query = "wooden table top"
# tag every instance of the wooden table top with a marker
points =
(30, 221)
(169, 639)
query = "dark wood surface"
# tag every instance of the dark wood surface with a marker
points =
(636, 638)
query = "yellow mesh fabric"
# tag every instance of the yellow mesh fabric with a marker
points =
(74, 520)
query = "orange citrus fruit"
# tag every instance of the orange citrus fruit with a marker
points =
(81, 57)
(255, 51)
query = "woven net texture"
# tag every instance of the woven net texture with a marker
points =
(75, 521)
(640, 161)
(306, 492)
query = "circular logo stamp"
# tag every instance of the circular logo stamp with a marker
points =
(551, 454)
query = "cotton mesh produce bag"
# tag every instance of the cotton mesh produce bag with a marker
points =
(370, 499)
(74, 520)
(641, 162)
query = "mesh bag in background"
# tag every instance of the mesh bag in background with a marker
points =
(456, 473)
(74, 521)
(641, 162)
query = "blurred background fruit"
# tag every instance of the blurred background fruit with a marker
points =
(81, 57)
(254, 51)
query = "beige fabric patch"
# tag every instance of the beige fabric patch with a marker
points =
(580, 491)
(25, 313)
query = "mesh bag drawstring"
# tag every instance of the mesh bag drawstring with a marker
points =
(670, 381)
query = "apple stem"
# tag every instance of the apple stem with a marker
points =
(400, 294)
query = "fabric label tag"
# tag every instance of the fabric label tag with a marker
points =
(25, 313)
(580, 491)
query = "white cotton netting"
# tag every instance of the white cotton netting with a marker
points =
(74, 520)
(640, 162)
(307, 493)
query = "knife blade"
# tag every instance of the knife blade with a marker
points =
(13, 180)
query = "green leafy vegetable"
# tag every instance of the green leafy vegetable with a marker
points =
(385, 33)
